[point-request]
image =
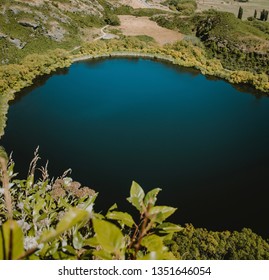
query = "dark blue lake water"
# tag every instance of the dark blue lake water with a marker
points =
(203, 142)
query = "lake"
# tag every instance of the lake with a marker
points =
(201, 140)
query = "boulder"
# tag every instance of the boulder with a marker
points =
(28, 23)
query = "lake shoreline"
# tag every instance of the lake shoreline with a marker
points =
(160, 55)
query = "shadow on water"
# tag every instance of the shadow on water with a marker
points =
(41, 80)
(179, 69)
(38, 82)
(244, 88)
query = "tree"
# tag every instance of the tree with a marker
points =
(240, 12)
(264, 15)
(255, 14)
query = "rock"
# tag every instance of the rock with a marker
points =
(56, 32)
(2, 35)
(17, 42)
(28, 23)
(109, 36)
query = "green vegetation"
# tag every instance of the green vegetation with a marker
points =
(140, 12)
(238, 44)
(189, 53)
(200, 244)
(176, 22)
(145, 38)
(261, 25)
(56, 220)
(14, 77)
(26, 30)
(3, 112)
(184, 7)
(43, 218)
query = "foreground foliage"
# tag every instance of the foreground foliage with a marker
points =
(55, 219)
(48, 219)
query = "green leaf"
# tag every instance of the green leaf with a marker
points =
(108, 236)
(136, 196)
(159, 214)
(64, 203)
(69, 249)
(87, 205)
(169, 228)
(102, 254)
(38, 206)
(153, 243)
(78, 240)
(30, 181)
(122, 217)
(113, 207)
(11, 249)
(92, 242)
(71, 218)
(151, 197)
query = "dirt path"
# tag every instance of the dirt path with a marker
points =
(103, 34)
(133, 26)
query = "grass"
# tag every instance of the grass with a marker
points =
(141, 12)
(228, 26)
(145, 38)
(175, 22)
(261, 25)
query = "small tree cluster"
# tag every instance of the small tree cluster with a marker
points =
(264, 15)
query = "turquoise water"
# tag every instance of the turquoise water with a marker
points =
(113, 121)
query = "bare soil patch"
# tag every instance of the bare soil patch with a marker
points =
(133, 26)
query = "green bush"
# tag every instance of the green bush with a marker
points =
(200, 244)
(140, 12)
(185, 7)
(111, 19)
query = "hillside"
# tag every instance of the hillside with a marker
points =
(38, 25)
(239, 44)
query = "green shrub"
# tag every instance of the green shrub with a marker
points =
(185, 7)
(140, 12)
(112, 19)
(200, 244)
